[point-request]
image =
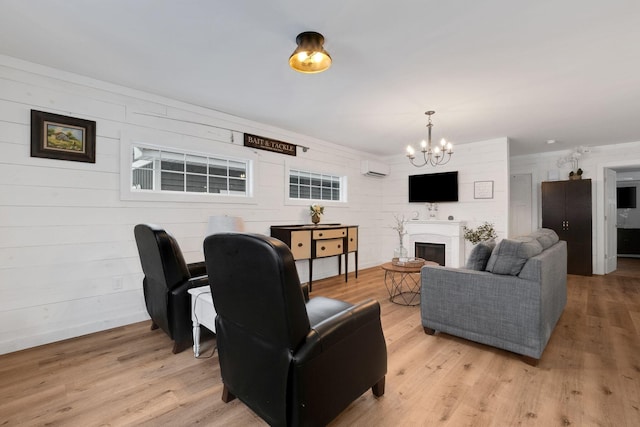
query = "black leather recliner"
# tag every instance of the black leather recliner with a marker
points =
(293, 362)
(167, 278)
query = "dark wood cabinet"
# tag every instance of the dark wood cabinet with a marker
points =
(566, 209)
(628, 241)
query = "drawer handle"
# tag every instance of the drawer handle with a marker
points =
(320, 234)
(351, 239)
(299, 245)
(322, 248)
(339, 246)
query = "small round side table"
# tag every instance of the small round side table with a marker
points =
(403, 283)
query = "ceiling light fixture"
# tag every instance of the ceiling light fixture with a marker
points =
(310, 56)
(432, 156)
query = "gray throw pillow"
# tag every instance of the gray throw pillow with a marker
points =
(546, 237)
(480, 256)
(510, 255)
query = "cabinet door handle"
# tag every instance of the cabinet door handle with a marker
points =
(299, 245)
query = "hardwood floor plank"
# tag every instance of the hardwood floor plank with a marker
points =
(589, 373)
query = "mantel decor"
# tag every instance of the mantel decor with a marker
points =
(61, 137)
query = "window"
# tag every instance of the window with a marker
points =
(154, 169)
(314, 186)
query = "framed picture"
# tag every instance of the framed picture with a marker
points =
(60, 137)
(483, 190)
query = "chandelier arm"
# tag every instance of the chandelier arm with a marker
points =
(431, 156)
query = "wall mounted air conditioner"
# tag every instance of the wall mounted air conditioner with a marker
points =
(371, 168)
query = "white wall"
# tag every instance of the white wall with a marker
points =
(478, 161)
(68, 261)
(544, 167)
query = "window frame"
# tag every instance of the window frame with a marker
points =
(126, 175)
(343, 179)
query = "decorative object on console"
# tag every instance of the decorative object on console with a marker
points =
(315, 211)
(433, 156)
(400, 252)
(573, 158)
(482, 233)
(310, 56)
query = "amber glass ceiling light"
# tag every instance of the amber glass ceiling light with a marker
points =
(310, 56)
(434, 156)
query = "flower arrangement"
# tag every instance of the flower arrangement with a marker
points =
(483, 233)
(316, 210)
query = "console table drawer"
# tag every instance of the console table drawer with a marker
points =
(300, 244)
(329, 234)
(352, 241)
(329, 247)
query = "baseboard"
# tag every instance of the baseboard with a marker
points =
(22, 343)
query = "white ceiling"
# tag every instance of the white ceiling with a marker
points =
(530, 70)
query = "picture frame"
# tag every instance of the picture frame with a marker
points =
(54, 136)
(483, 190)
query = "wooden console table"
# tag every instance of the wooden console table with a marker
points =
(320, 241)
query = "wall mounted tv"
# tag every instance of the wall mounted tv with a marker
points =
(626, 198)
(433, 187)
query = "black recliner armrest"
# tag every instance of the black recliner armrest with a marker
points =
(305, 291)
(197, 269)
(338, 327)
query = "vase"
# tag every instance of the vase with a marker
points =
(400, 252)
(315, 218)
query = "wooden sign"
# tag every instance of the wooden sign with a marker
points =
(268, 144)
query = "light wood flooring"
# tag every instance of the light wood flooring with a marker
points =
(589, 374)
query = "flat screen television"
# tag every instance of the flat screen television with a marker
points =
(626, 197)
(433, 187)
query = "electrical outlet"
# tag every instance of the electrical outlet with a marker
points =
(117, 283)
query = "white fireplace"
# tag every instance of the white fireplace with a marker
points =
(448, 233)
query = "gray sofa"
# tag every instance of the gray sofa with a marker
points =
(511, 299)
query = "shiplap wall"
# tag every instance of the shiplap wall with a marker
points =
(68, 260)
(544, 167)
(478, 161)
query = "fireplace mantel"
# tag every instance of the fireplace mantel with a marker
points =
(449, 233)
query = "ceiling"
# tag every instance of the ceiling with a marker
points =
(529, 70)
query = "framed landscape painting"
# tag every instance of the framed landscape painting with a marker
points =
(61, 137)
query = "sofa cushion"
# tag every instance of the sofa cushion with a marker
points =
(480, 256)
(546, 237)
(510, 255)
